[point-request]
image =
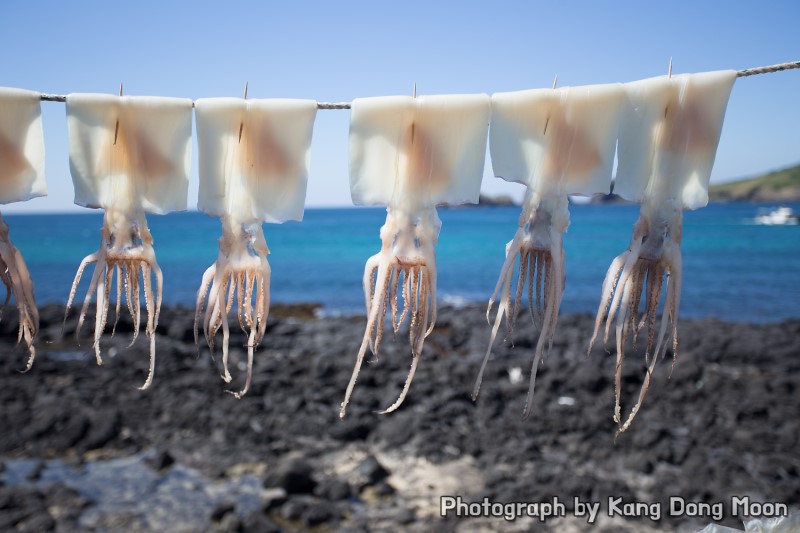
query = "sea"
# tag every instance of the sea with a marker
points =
(733, 268)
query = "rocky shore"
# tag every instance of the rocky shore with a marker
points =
(82, 449)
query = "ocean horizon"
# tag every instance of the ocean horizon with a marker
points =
(733, 269)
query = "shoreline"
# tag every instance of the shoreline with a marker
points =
(315, 310)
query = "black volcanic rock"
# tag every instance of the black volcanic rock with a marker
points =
(723, 421)
(293, 475)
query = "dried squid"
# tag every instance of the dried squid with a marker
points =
(556, 142)
(128, 155)
(411, 154)
(21, 178)
(668, 140)
(254, 158)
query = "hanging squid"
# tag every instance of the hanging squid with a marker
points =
(556, 142)
(668, 140)
(21, 178)
(254, 157)
(411, 154)
(128, 155)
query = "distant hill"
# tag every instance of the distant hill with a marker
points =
(491, 201)
(779, 186)
(484, 201)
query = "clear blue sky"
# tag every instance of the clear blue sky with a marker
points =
(336, 51)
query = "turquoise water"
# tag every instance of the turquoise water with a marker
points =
(733, 269)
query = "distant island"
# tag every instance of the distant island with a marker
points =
(607, 199)
(484, 200)
(778, 186)
(491, 201)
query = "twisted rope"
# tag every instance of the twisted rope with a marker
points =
(766, 70)
(346, 105)
(338, 105)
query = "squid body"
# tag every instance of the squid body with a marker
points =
(411, 154)
(128, 155)
(21, 178)
(254, 157)
(556, 142)
(668, 140)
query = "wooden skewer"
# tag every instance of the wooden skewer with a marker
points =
(116, 127)
(241, 126)
(412, 124)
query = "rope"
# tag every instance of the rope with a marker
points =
(56, 98)
(346, 105)
(766, 70)
(338, 105)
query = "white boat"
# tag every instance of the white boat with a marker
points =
(780, 216)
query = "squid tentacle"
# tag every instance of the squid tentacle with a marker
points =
(99, 267)
(431, 275)
(153, 311)
(159, 291)
(559, 262)
(102, 308)
(7, 282)
(370, 269)
(249, 281)
(239, 284)
(667, 317)
(226, 376)
(652, 256)
(521, 280)
(406, 299)
(264, 282)
(675, 273)
(118, 306)
(16, 278)
(616, 301)
(231, 292)
(512, 249)
(420, 305)
(205, 284)
(212, 309)
(376, 342)
(21, 278)
(128, 282)
(380, 289)
(393, 284)
(538, 244)
(137, 309)
(551, 287)
(239, 276)
(408, 240)
(504, 285)
(248, 378)
(533, 260)
(91, 258)
(125, 249)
